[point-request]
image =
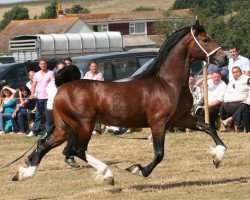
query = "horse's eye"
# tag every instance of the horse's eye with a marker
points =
(205, 40)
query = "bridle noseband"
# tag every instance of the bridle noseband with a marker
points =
(207, 54)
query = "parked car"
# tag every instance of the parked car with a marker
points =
(16, 74)
(116, 65)
(6, 59)
(196, 69)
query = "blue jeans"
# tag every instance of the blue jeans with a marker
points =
(19, 121)
(41, 105)
(3, 118)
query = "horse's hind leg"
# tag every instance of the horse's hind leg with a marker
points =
(218, 152)
(103, 171)
(43, 147)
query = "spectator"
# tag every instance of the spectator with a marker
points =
(216, 91)
(242, 114)
(237, 60)
(93, 74)
(197, 93)
(63, 75)
(30, 76)
(235, 93)
(68, 62)
(223, 70)
(20, 114)
(51, 90)
(8, 105)
(41, 80)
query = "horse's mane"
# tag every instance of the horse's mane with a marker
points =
(67, 74)
(164, 51)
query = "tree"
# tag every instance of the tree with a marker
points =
(17, 13)
(167, 27)
(238, 32)
(50, 11)
(77, 9)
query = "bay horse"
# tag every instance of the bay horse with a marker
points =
(158, 99)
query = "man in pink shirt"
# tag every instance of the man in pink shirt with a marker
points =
(41, 80)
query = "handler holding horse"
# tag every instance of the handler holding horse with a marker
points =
(158, 99)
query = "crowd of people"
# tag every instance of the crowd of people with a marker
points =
(228, 97)
(228, 94)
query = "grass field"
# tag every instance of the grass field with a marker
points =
(186, 172)
(96, 6)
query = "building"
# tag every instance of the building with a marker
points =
(41, 26)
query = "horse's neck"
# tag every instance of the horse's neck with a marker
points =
(175, 69)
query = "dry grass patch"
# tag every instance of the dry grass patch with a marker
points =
(186, 172)
(97, 6)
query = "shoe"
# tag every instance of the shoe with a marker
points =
(96, 133)
(2, 133)
(228, 129)
(71, 161)
(31, 134)
(20, 133)
(224, 122)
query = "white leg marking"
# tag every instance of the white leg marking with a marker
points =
(103, 172)
(27, 173)
(218, 152)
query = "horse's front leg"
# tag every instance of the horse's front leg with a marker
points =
(189, 121)
(43, 147)
(158, 135)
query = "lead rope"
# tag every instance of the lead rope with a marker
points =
(207, 54)
(43, 137)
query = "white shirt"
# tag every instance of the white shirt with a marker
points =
(216, 92)
(242, 62)
(29, 85)
(237, 89)
(51, 90)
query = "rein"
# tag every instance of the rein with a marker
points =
(207, 54)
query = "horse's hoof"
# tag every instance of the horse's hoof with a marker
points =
(110, 180)
(216, 162)
(218, 154)
(135, 169)
(16, 177)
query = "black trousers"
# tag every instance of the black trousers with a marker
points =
(213, 115)
(228, 109)
(242, 116)
(67, 151)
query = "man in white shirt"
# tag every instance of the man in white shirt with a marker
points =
(29, 83)
(237, 60)
(235, 93)
(216, 91)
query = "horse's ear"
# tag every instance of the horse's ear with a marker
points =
(197, 24)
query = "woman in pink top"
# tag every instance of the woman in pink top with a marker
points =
(41, 80)
(242, 114)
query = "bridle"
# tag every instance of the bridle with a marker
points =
(207, 54)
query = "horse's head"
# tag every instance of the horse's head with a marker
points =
(203, 47)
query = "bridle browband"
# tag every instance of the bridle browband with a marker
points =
(207, 54)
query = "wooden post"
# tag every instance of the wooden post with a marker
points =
(206, 109)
